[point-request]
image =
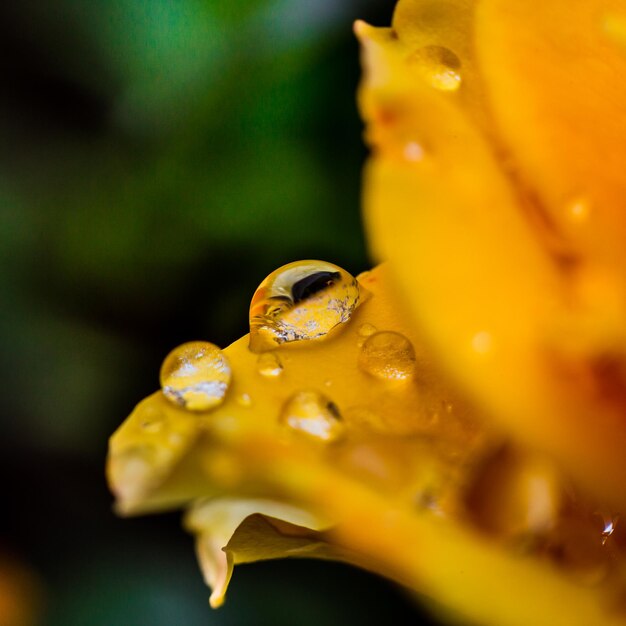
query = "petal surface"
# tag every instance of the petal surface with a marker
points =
(395, 494)
(487, 281)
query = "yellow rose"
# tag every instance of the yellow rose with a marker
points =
(454, 419)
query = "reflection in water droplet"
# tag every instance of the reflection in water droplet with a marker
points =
(195, 376)
(314, 415)
(388, 355)
(301, 301)
(439, 66)
(268, 364)
(608, 526)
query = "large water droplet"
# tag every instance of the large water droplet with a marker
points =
(195, 376)
(301, 301)
(269, 365)
(314, 415)
(439, 66)
(388, 355)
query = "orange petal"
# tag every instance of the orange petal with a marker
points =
(554, 76)
(492, 296)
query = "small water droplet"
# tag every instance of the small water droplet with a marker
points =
(388, 355)
(364, 418)
(244, 400)
(301, 301)
(365, 330)
(482, 342)
(413, 151)
(314, 415)
(195, 376)
(268, 364)
(439, 66)
(578, 210)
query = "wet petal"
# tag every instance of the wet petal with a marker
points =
(223, 541)
(554, 76)
(533, 341)
(408, 490)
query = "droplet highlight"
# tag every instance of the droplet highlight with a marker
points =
(388, 355)
(608, 526)
(578, 210)
(413, 151)
(244, 400)
(439, 66)
(196, 376)
(314, 415)
(482, 342)
(301, 301)
(269, 365)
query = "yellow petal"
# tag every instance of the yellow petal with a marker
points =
(155, 456)
(554, 78)
(489, 286)
(224, 541)
(395, 493)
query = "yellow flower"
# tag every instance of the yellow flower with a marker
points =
(455, 419)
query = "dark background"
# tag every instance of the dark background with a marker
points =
(158, 158)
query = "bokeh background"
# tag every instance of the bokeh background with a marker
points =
(158, 158)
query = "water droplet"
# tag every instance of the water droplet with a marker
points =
(388, 355)
(365, 330)
(195, 376)
(268, 364)
(413, 151)
(244, 400)
(363, 417)
(578, 210)
(152, 421)
(301, 301)
(439, 66)
(482, 342)
(314, 415)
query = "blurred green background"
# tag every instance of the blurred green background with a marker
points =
(159, 158)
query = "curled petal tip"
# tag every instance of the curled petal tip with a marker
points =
(360, 28)
(217, 599)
